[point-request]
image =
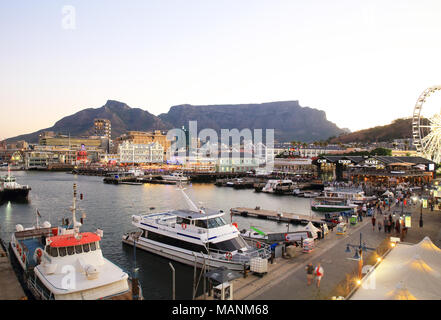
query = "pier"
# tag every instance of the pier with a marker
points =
(293, 218)
(11, 288)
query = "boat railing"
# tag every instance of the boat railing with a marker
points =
(32, 283)
(263, 251)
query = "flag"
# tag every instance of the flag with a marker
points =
(38, 213)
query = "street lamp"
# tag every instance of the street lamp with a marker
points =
(358, 253)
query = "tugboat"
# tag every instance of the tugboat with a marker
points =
(10, 190)
(63, 264)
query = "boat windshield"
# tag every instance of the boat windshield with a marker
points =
(216, 222)
(210, 223)
(229, 245)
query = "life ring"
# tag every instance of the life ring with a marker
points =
(39, 252)
(23, 258)
(184, 226)
(229, 256)
(235, 224)
(258, 245)
(17, 246)
(19, 250)
(286, 237)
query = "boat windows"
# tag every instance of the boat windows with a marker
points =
(201, 224)
(48, 250)
(92, 246)
(86, 247)
(54, 252)
(229, 245)
(216, 222)
(176, 242)
(79, 249)
(180, 220)
(70, 250)
(62, 251)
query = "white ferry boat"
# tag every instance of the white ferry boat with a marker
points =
(63, 264)
(197, 235)
(175, 176)
(279, 186)
(354, 195)
(326, 204)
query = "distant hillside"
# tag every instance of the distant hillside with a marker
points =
(288, 118)
(398, 129)
(122, 117)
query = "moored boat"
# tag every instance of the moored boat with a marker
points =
(10, 190)
(62, 263)
(194, 236)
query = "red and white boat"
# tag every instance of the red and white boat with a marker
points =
(63, 263)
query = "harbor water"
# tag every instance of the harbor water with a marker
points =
(110, 207)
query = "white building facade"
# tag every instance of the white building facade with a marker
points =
(140, 153)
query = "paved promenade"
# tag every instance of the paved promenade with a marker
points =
(287, 279)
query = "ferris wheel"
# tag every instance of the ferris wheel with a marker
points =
(426, 130)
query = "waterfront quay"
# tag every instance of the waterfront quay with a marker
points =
(11, 288)
(286, 277)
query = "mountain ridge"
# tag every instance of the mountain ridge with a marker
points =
(288, 118)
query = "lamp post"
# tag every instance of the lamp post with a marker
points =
(358, 253)
(421, 213)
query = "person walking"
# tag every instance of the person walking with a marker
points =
(373, 223)
(318, 274)
(379, 226)
(385, 225)
(309, 273)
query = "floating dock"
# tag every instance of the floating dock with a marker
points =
(293, 218)
(11, 288)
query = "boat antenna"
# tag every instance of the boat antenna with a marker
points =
(187, 198)
(74, 218)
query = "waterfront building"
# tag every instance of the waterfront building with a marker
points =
(294, 166)
(144, 138)
(103, 128)
(139, 153)
(384, 170)
(232, 162)
(71, 142)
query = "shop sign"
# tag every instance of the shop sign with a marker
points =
(344, 161)
(371, 161)
(408, 221)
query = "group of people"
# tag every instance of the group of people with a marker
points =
(314, 273)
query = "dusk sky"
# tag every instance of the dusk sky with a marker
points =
(363, 62)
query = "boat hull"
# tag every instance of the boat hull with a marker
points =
(330, 208)
(16, 195)
(185, 257)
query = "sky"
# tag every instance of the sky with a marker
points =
(363, 62)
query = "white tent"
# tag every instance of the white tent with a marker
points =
(310, 227)
(407, 272)
(388, 194)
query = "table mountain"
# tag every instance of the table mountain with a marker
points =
(288, 118)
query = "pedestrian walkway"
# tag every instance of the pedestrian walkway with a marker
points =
(10, 287)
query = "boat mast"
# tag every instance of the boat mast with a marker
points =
(74, 209)
(189, 201)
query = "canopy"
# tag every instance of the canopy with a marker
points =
(403, 164)
(222, 275)
(407, 272)
(388, 193)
